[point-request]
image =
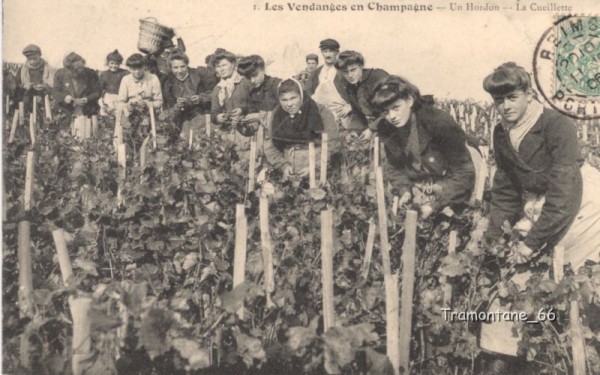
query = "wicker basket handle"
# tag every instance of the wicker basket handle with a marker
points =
(151, 18)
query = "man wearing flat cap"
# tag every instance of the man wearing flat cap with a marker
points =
(77, 88)
(328, 88)
(35, 78)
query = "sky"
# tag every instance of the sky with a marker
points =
(444, 53)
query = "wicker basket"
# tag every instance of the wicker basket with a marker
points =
(152, 35)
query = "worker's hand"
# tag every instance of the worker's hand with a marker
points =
(195, 99)
(366, 135)
(426, 211)
(251, 117)
(236, 112)
(80, 102)
(181, 103)
(39, 87)
(405, 198)
(222, 118)
(523, 253)
(287, 170)
(343, 111)
(68, 99)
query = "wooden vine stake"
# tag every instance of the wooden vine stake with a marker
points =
(31, 129)
(481, 178)
(239, 256)
(13, 127)
(80, 307)
(47, 107)
(584, 131)
(7, 105)
(312, 180)
(575, 328)
(492, 173)
(208, 124)
(252, 165)
(28, 195)
(191, 140)
(395, 204)
(447, 287)
(392, 318)
(382, 223)
(118, 134)
(376, 153)
(408, 281)
(94, 129)
(327, 268)
(267, 248)
(25, 287)
(369, 248)
(144, 153)
(152, 122)
(21, 113)
(324, 157)
(122, 161)
(34, 111)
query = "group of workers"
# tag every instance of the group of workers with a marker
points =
(426, 152)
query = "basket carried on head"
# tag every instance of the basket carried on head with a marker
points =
(152, 35)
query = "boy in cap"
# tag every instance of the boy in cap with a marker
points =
(312, 62)
(35, 78)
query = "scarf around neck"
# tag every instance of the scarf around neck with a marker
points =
(303, 127)
(518, 131)
(227, 86)
(47, 75)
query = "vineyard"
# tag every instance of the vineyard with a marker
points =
(191, 257)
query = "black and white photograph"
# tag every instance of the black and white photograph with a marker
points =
(272, 187)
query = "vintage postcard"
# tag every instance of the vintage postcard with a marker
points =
(301, 186)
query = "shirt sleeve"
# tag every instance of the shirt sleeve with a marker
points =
(123, 91)
(157, 98)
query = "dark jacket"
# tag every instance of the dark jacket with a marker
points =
(87, 85)
(338, 81)
(443, 153)
(359, 94)
(548, 163)
(110, 81)
(264, 97)
(203, 81)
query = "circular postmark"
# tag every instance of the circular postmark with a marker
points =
(566, 66)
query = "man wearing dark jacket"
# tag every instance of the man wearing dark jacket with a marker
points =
(76, 87)
(360, 83)
(187, 93)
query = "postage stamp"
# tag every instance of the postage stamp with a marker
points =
(566, 66)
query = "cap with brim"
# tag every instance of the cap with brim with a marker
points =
(31, 49)
(329, 43)
(312, 56)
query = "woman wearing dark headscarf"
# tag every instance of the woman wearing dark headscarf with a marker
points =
(427, 156)
(542, 185)
(296, 121)
(110, 80)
